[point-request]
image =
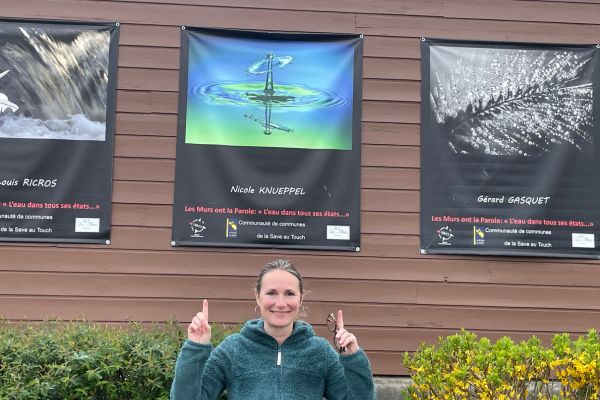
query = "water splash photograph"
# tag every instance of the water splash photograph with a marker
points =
(267, 91)
(53, 82)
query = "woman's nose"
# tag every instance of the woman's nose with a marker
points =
(280, 301)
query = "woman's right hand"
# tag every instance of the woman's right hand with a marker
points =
(199, 329)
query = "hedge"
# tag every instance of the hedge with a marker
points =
(82, 360)
(464, 367)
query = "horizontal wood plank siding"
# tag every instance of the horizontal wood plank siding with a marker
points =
(393, 297)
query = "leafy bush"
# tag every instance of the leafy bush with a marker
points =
(577, 365)
(464, 367)
(81, 360)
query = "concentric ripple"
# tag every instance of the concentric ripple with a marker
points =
(252, 94)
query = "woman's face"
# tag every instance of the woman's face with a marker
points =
(279, 299)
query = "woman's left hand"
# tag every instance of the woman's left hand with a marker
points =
(345, 338)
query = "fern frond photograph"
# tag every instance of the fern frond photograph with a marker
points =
(523, 102)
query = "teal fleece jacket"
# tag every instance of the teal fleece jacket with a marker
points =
(252, 366)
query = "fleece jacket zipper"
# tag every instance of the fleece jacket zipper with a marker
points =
(280, 370)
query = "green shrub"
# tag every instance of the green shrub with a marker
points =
(81, 360)
(463, 367)
(577, 365)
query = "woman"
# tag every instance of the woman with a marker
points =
(276, 357)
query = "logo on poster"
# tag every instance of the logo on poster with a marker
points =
(445, 234)
(231, 228)
(197, 226)
(478, 235)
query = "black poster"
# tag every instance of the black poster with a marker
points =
(57, 118)
(268, 151)
(510, 149)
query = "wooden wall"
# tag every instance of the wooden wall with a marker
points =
(393, 297)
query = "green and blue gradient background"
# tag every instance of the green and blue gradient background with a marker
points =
(324, 65)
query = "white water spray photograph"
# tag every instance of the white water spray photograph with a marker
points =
(53, 83)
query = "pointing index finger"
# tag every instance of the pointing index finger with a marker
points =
(205, 309)
(340, 320)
